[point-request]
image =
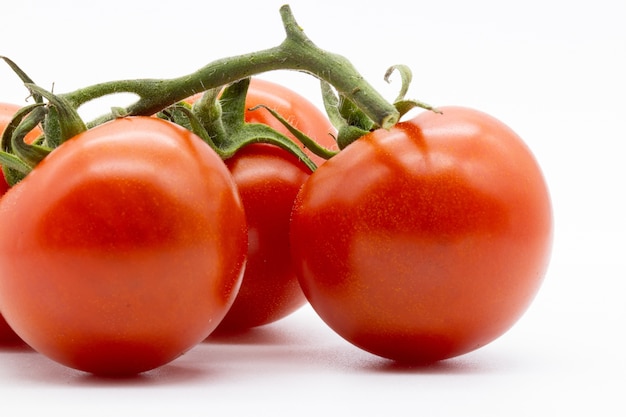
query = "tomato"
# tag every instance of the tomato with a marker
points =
(123, 248)
(268, 179)
(426, 241)
(6, 114)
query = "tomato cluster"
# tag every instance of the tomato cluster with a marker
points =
(126, 246)
(127, 242)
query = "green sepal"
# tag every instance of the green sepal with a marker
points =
(13, 168)
(64, 119)
(52, 128)
(17, 157)
(349, 121)
(23, 76)
(355, 116)
(31, 154)
(223, 119)
(5, 142)
(307, 141)
(251, 133)
(406, 76)
(402, 104)
(227, 137)
(182, 115)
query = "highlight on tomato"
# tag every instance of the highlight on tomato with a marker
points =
(123, 248)
(425, 241)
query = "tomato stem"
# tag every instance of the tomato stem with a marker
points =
(296, 52)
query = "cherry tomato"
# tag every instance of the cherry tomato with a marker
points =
(7, 110)
(268, 179)
(123, 248)
(426, 241)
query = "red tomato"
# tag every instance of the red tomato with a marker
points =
(6, 114)
(123, 249)
(268, 179)
(426, 241)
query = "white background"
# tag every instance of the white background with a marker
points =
(554, 70)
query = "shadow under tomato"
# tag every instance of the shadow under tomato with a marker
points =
(445, 367)
(31, 365)
(262, 335)
(15, 345)
(169, 374)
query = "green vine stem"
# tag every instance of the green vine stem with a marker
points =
(296, 52)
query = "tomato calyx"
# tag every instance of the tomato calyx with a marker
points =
(352, 122)
(401, 103)
(59, 119)
(307, 141)
(60, 122)
(218, 117)
(16, 156)
(63, 121)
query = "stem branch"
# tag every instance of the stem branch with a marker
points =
(296, 52)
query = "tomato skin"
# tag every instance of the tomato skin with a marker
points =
(123, 249)
(427, 241)
(268, 179)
